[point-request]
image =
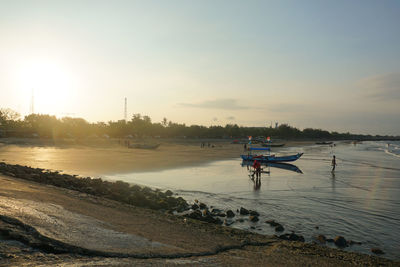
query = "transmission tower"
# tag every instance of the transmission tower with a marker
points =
(125, 109)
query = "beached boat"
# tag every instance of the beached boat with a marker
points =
(272, 158)
(144, 146)
(324, 143)
(272, 145)
(269, 158)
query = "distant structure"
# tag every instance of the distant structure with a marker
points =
(32, 107)
(276, 125)
(126, 109)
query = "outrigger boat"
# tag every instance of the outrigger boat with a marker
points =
(269, 158)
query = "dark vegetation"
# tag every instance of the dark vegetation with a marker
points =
(120, 191)
(47, 126)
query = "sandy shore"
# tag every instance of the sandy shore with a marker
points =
(46, 226)
(110, 158)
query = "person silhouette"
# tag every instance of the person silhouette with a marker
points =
(334, 163)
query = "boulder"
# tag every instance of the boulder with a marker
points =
(202, 206)
(340, 241)
(215, 210)
(254, 213)
(244, 211)
(272, 223)
(321, 239)
(279, 228)
(292, 237)
(168, 193)
(195, 215)
(206, 212)
(230, 214)
(195, 206)
(377, 251)
(253, 218)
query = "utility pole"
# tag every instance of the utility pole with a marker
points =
(32, 107)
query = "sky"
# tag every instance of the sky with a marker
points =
(333, 65)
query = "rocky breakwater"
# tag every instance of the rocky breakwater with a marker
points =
(120, 191)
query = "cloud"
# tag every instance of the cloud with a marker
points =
(291, 108)
(381, 87)
(230, 118)
(222, 103)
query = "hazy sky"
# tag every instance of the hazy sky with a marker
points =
(323, 64)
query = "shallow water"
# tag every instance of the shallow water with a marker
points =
(360, 200)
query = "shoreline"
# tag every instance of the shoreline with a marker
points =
(116, 159)
(194, 234)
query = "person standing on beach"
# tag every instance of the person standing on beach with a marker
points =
(333, 163)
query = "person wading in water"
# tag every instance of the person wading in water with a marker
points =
(333, 163)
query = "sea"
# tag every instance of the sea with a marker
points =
(360, 200)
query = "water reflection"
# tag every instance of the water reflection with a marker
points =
(266, 169)
(285, 166)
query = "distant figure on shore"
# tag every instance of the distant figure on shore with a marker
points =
(245, 147)
(333, 163)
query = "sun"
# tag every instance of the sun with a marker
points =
(50, 84)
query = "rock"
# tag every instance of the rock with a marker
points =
(330, 240)
(206, 212)
(168, 193)
(230, 214)
(254, 213)
(241, 220)
(215, 210)
(211, 219)
(272, 223)
(321, 239)
(195, 215)
(351, 242)
(244, 211)
(340, 241)
(279, 228)
(228, 222)
(253, 218)
(252, 227)
(292, 237)
(202, 206)
(377, 251)
(195, 206)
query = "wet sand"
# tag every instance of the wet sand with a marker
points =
(104, 232)
(111, 158)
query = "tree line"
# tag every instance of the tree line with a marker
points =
(48, 126)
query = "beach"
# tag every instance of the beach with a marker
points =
(106, 232)
(102, 157)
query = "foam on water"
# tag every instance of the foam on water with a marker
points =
(360, 201)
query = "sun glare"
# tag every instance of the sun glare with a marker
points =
(51, 85)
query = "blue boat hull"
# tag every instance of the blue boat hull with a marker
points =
(272, 158)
